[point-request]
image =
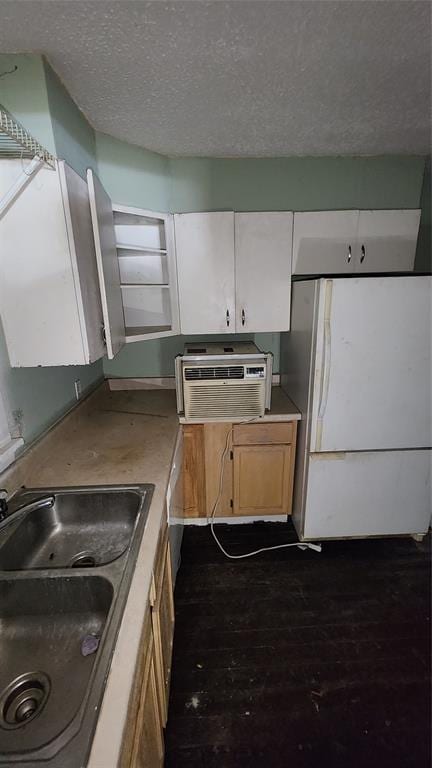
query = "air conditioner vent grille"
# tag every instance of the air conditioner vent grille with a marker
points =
(229, 399)
(209, 373)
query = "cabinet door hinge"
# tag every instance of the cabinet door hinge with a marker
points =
(103, 332)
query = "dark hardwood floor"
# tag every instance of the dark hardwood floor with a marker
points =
(297, 659)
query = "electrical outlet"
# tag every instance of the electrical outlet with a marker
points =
(78, 389)
(17, 426)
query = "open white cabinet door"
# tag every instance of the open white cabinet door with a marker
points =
(107, 263)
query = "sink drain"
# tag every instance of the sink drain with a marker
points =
(23, 699)
(83, 560)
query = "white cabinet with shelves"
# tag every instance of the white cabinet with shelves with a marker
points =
(341, 242)
(49, 292)
(234, 271)
(136, 247)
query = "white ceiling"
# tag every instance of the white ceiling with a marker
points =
(240, 77)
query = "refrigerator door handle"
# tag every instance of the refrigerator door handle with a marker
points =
(326, 364)
(326, 375)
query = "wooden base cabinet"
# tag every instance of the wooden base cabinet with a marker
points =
(193, 470)
(143, 743)
(258, 471)
(261, 479)
(162, 616)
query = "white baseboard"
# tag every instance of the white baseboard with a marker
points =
(154, 382)
(228, 520)
(8, 452)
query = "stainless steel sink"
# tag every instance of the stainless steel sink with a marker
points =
(59, 617)
(82, 528)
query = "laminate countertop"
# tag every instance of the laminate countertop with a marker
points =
(112, 437)
(117, 437)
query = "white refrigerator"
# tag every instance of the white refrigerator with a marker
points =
(357, 363)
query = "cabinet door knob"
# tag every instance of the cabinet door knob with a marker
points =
(363, 254)
(227, 317)
(243, 317)
(349, 254)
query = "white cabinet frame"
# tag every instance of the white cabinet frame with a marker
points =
(144, 307)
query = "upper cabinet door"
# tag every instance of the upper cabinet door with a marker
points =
(81, 243)
(40, 297)
(386, 241)
(324, 242)
(263, 250)
(107, 263)
(205, 268)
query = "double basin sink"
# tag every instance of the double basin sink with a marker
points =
(66, 560)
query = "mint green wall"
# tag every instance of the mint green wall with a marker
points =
(296, 183)
(23, 93)
(131, 175)
(74, 137)
(156, 357)
(423, 262)
(317, 183)
(191, 184)
(36, 397)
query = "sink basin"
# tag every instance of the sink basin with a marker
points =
(43, 674)
(59, 617)
(81, 529)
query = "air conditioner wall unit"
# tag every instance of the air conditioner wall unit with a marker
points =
(223, 381)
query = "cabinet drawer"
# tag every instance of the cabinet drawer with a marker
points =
(267, 433)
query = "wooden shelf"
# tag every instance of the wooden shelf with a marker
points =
(147, 332)
(139, 249)
(144, 285)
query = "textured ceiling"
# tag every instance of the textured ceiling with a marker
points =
(240, 78)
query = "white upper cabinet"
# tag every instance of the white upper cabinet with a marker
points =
(386, 241)
(205, 265)
(107, 264)
(137, 270)
(234, 271)
(263, 271)
(324, 242)
(49, 294)
(341, 242)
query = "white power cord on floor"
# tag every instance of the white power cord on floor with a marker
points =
(300, 544)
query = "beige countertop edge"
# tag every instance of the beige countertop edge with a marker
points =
(269, 417)
(108, 737)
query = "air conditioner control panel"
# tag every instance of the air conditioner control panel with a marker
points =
(255, 372)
